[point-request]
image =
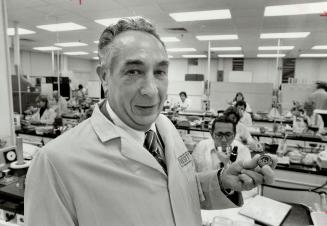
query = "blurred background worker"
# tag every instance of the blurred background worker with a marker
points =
(59, 104)
(44, 114)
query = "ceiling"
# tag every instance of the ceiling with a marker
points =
(247, 21)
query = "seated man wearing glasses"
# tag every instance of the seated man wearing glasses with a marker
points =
(219, 150)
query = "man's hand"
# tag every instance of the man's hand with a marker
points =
(223, 157)
(246, 175)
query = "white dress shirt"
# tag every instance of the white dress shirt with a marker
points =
(138, 135)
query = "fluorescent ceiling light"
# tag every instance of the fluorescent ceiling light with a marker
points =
(284, 35)
(216, 37)
(201, 15)
(181, 50)
(296, 9)
(109, 21)
(75, 53)
(169, 39)
(194, 56)
(275, 47)
(319, 47)
(170, 56)
(235, 48)
(230, 55)
(21, 31)
(96, 42)
(61, 27)
(70, 44)
(47, 48)
(96, 51)
(95, 58)
(270, 55)
(313, 55)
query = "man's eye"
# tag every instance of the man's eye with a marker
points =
(133, 72)
(160, 73)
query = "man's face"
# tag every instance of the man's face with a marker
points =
(239, 97)
(223, 135)
(138, 81)
(232, 117)
(241, 110)
(309, 111)
(183, 97)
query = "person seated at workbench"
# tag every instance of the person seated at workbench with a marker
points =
(218, 151)
(313, 120)
(240, 97)
(59, 104)
(184, 103)
(242, 132)
(44, 114)
(245, 116)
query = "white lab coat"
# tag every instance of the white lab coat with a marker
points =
(95, 174)
(48, 116)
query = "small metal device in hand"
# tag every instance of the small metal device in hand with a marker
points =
(265, 160)
(233, 154)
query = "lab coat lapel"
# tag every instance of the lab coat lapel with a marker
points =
(130, 148)
(169, 144)
(176, 191)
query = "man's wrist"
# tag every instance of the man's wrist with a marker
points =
(223, 188)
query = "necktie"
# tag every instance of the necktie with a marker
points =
(151, 144)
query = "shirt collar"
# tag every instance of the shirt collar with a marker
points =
(139, 136)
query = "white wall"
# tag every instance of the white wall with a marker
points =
(40, 64)
(311, 70)
(264, 70)
(179, 67)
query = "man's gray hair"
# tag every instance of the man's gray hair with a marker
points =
(106, 50)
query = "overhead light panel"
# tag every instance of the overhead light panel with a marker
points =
(276, 47)
(284, 35)
(270, 55)
(320, 47)
(170, 56)
(47, 48)
(296, 9)
(313, 55)
(201, 15)
(231, 55)
(234, 48)
(21, 31)
(181, 50)
(109, 21)
(194, 56)
(61, 27)
(75, 53)
(70, 44)
(169, 39)
(95, 58)
(216, 37)
(96, 42)
(96, 51)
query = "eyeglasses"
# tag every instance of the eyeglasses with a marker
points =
(220, 135)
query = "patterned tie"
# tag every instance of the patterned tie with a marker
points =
(150, 143)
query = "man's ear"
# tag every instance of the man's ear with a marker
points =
(101, 72)
(102, 75)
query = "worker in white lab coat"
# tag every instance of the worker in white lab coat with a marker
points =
(44, 114)
(106, 171)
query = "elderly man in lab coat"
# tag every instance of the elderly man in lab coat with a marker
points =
(127, 165)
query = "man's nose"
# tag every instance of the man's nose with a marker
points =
(223, 138)
(149, 86)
